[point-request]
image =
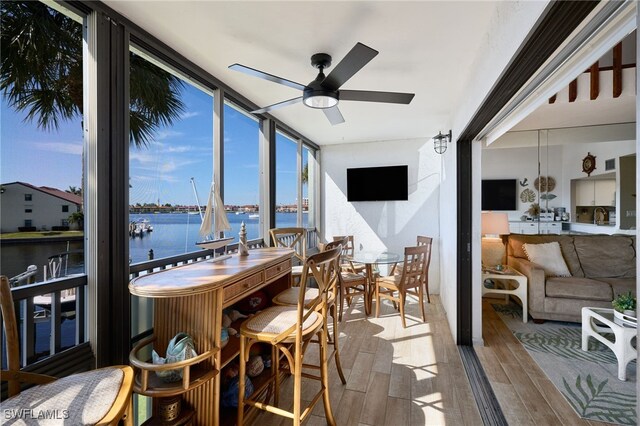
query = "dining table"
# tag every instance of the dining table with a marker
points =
(371, 258)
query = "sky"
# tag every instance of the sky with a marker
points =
(160, 172)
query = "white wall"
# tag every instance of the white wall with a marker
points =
(384, 225)
(511, 23)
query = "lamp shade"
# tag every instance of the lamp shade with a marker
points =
(495, 223)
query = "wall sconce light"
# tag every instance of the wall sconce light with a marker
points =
(440, 142)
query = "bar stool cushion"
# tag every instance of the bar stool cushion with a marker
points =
(85, 397)
(290, 296)
(276, 319)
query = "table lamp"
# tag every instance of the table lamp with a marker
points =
(493, 247)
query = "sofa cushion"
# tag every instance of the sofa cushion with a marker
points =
(566, 247)
(578, 288)
(548, 256)
(621, 285)
(606, 256)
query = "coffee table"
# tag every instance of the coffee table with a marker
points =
(508, 276)
(599, 321)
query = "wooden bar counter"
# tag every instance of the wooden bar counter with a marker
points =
(190, 299)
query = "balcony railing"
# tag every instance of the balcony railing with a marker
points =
(63, 299)
(53, 301)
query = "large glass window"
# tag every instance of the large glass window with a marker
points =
(41, 156)
(308, 187)
(286, 181)
(170, 160)
(241, 171)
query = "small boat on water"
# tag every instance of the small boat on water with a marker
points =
(254, 216)
(239, 213)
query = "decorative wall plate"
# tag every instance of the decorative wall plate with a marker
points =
(545, 183)
(527, 196)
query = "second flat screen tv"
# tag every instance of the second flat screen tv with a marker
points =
(499, 194)
(388, 183)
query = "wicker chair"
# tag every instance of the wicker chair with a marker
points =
(293, 238)
(289, 330)
(290, 297)
(100, 396)
(411, 281)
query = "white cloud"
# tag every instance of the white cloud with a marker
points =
(74, 148)
(189, 114)
(166, 134)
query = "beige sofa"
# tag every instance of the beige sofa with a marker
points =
(601, 266)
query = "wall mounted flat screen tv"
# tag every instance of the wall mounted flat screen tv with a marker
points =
(499, 194)
(378, 183)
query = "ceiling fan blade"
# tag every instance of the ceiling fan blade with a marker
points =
(334, 115)
(266, 76)
(370, 96)
(278, 105)
(357, 58)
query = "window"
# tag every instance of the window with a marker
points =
(286, 181)
(308, 187)
(65, 209)
(28, 223)
(165, 155)
(28, 197)
(27, 210)
(64, 222)
(241, 170)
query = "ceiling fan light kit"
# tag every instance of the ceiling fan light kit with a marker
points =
(323, 92)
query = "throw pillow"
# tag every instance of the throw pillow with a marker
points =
(549, 256)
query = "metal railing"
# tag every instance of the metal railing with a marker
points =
(54, 301)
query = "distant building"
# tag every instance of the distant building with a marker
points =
(25, 205)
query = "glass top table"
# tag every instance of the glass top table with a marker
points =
(370, 258)
(376, 257)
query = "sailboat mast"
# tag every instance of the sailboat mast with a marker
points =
(195, 192)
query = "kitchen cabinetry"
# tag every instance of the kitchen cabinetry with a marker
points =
(595, 192)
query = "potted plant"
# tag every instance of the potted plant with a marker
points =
(624, 306)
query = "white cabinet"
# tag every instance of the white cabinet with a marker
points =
(595, 192)
(605, 193)
(532, 228)
(585, 192)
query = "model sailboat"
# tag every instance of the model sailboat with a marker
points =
(214, 221)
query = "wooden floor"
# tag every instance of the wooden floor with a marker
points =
(395, 376)
(526, 395)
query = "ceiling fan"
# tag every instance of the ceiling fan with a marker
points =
(323, 92)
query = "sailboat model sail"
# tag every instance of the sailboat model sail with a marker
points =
(214, 221)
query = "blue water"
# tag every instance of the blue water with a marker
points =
(175, 234)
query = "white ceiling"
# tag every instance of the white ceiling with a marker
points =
(426, 48)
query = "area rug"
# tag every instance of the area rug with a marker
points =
(588, 380)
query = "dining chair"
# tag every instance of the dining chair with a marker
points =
(293, 238)
(347, 251)
(290, 329)
(410, 281)
(290, 297)
(101, 396)
(426, 241)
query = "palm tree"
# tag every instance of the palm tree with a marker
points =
(41, 73)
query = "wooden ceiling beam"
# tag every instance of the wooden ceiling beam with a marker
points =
(595, 81)
(617, 70)
(552, 99)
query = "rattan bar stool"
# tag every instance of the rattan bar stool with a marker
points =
(290, 329)
(290, 297)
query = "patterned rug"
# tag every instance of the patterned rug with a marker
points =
(588, 380)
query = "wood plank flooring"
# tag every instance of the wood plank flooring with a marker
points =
(395, 376)
(525, 394)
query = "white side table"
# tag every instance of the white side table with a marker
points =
(599, 321)
(508, 276)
